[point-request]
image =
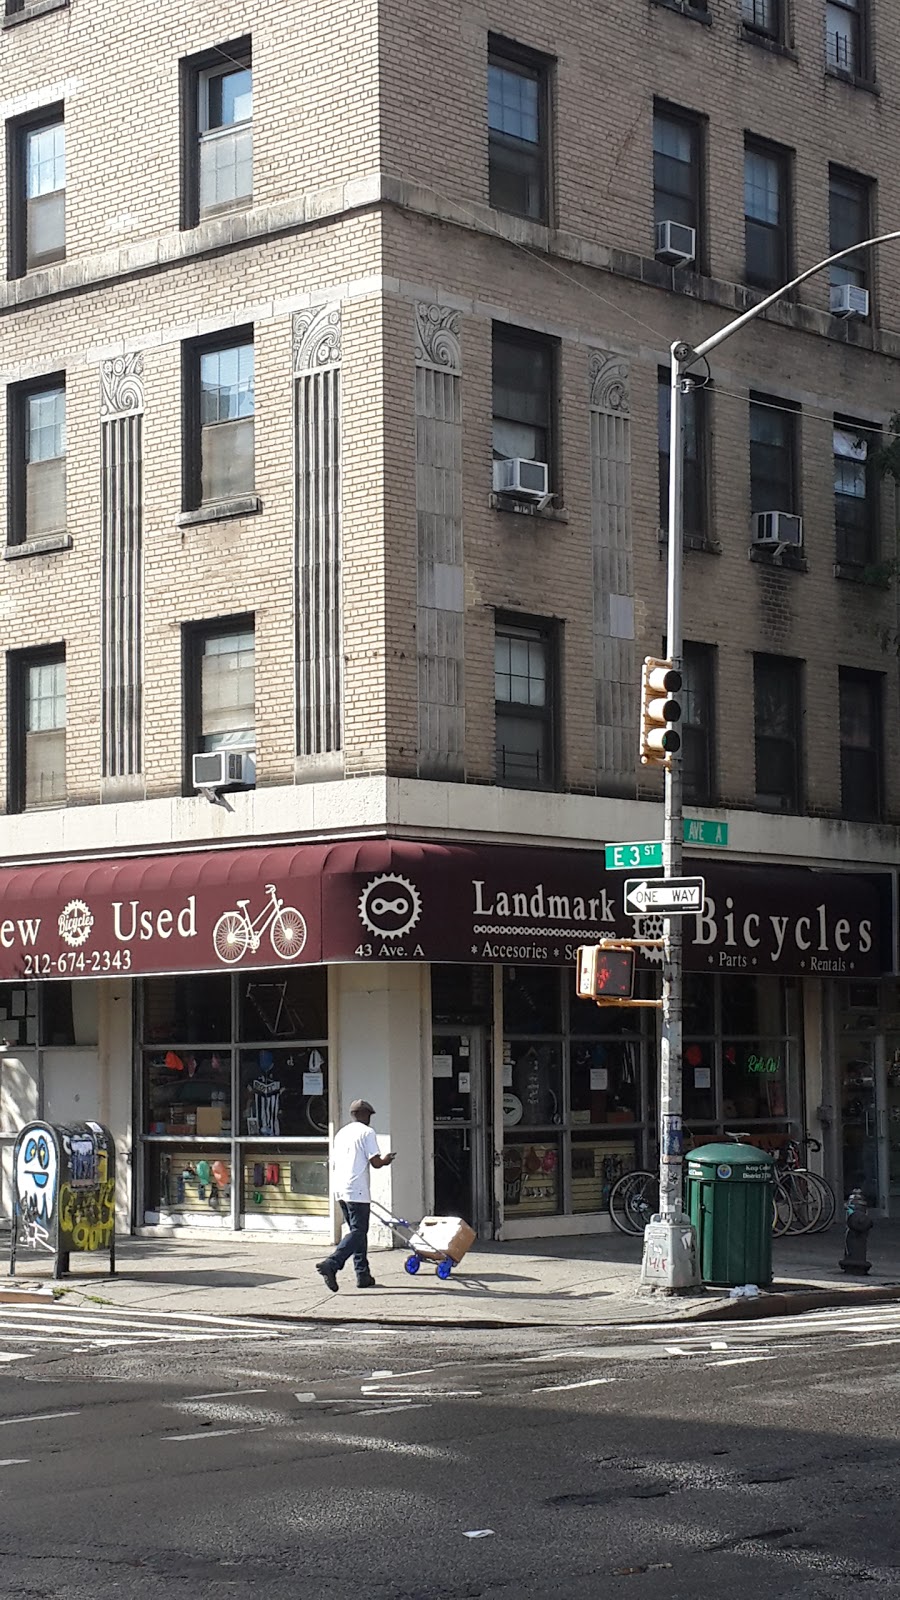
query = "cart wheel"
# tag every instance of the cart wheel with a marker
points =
(412, 1265)
(444, 1269)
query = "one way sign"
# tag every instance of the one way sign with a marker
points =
(671, 897)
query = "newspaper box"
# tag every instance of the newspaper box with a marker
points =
(64, 1192)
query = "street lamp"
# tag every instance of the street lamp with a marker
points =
(669, 1247)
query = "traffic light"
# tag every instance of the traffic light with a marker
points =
(659, 711)
(605, 974)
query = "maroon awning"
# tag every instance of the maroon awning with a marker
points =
(383, 899)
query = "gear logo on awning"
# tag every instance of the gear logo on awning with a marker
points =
(75, 922)
(390, 906)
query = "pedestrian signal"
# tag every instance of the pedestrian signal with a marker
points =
(605, 974)
(660, 682)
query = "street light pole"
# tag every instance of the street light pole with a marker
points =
(669, 1245)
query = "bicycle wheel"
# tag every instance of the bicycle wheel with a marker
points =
(782, 1211)
(230, 936)
(642, 1201)
(829, 1202)
(288, 933)
(618, 1205)
(806, 1201)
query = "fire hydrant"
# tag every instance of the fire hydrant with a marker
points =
(859, 1223)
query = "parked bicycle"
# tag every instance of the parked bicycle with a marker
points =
(802, 1202)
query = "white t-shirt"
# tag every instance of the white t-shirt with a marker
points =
(351, 1152)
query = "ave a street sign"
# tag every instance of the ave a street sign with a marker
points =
(671, 897)
(703, 830)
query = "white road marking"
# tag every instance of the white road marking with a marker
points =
(38, 1416)
(206, 1433)
(390, 1411)
(479, 1533)
(718, 1344)
(13, 1355)
(16, 1461)
(674, 1350)
(739, 1361)
(586, 1383)
(225, 1394)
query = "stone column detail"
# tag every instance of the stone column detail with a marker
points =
(611, 531)
(121, 564)
(440, 609)
(317, 530)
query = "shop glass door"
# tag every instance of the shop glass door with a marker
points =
(862, 1124)
(463, 1179)
(892, 1118)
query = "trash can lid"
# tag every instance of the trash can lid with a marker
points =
(732, 1155)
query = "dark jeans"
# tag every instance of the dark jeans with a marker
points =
(354, 1243)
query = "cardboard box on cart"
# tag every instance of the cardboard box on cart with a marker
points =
(437, 1237)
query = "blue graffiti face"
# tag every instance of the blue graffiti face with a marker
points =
(36, 1172)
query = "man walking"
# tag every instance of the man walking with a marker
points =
(355, 1150)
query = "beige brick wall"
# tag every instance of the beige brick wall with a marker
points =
(335, 98)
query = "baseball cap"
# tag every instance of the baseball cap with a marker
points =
(362, 1105)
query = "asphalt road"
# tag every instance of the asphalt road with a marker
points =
(193, 1460)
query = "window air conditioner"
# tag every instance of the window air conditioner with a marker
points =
(676, 244)
(773, 529)
(218, 769)
(522, 480)
(849, 300)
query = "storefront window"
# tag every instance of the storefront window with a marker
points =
(18, 1015)
(531, 1178)
(194, 1009)
(532, 1000)
(232, 1068)
(568, 1134)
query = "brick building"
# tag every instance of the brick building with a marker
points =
(294, 304)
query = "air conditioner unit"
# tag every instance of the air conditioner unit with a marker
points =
(522, 480)
(772, 529)
(849, 300)
(219, 769)
(676, 243)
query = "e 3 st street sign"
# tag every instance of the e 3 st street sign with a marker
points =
(642, 855)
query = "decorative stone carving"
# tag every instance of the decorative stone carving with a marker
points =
(608, 376)
(437, 338)
(122, 386)
(317, 338)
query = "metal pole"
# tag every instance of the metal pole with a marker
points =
(671, 1142)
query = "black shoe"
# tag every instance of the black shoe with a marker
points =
(329, 1274)
(366, 1283)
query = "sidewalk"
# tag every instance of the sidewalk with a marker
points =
(558, 1283)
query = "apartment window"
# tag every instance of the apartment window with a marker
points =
(523, 396)
(695, 416)
(37, 459)
(861, 745)
(677, 168)
(765, 17)
(845, 36)
(37, 756)
(217, 90)
(855, 498)
(220, 686)
(524, 690)
(773, 454)
(766, 216)
(849, 217)
(697, 727)
(37, 175)
(518, 99)
(776, 691)
(219, 442)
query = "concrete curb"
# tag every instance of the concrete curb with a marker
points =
(787, 1304)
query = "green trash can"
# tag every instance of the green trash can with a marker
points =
(729, 1201)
